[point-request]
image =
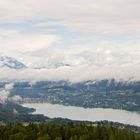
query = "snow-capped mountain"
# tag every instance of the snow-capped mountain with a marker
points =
(51, 66)
(9, 62)
(57, 65)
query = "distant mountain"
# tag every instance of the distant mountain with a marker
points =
(57, 65)
(53, 65)
(9, 62)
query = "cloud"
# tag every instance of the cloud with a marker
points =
(14, 40)
(79, 15)
(101, 54)
(98, 39)
(74, 74)
(5, 92)
(15, 99)
(9, 87)
(102, 61)
(32, 83)
(3, 96)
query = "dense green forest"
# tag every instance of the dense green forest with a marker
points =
(64, 132)
(13, 113)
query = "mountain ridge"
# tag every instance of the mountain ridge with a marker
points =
(10, 62)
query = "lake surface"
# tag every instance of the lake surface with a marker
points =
(89, 114)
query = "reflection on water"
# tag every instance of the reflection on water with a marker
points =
(79, 113)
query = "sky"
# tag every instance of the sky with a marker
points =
(95, 39)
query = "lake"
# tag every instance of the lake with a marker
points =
(86, 114)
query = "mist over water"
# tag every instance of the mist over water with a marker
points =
(88, 114)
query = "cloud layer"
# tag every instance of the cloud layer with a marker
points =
(5, 92)
(87, 39)
(98, 15)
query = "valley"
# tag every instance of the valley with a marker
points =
(89, 94)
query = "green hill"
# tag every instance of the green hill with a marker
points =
(64, 132)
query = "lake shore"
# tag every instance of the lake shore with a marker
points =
(85, 114)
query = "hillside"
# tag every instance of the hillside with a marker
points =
(103, 93)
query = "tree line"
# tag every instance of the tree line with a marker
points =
(64, 132)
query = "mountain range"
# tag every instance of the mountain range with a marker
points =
(12, 63)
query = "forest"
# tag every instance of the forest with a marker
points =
(64, 132)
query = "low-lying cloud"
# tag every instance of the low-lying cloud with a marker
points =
(15, 99)
(5, 92)
(95, 39)
(73, 74)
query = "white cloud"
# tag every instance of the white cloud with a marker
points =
(3, 96)
(13, 41)
(74, 74)
(5, 92)
(95, 58)
(9, 87)
(32, 83)
(80, 15)
(15, 99)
